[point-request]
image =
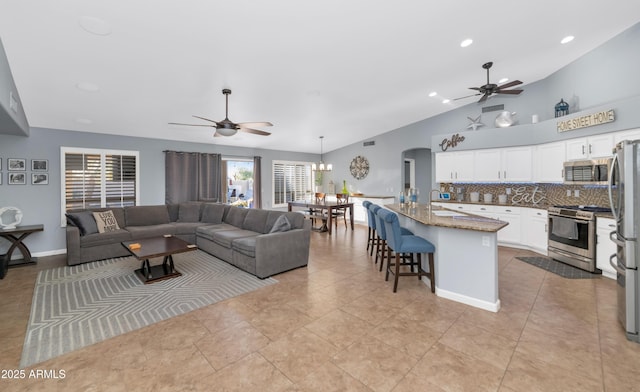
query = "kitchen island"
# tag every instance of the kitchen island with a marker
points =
(466, 257)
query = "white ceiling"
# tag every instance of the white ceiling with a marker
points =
(348, 70)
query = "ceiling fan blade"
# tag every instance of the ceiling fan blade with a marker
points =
(508, 91)
(193, 125)
(475, 88)
(510, 84)
(472, 95)
(254, 124)
(255, 131)
(484, 97)
(206, 119)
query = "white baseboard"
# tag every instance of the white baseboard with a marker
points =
(49, 253)
(477, 303)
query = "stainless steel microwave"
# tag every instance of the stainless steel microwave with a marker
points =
(588, 171)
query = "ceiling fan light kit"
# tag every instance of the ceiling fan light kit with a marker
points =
(227, 127)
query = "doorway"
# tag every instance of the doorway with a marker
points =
(416, 172)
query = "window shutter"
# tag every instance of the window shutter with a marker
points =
(291, 181)
(82, 181)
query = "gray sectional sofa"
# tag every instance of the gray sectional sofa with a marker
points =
(261, 242)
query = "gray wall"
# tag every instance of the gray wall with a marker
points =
(14, 123)
(607, 77)
(41, 203)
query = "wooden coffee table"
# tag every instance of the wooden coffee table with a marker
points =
(150, 248)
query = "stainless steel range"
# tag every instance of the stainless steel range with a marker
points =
(572, 235)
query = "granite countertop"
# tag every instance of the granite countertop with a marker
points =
(494, 203)
(444, 217)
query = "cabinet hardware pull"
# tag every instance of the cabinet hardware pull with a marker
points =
(505, 175)
(590, 149)
(583, 149)
(508, 210)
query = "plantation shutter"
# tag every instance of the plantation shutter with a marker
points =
(291, 181)
(82, 178)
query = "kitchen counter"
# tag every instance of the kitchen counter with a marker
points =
(466, 256)
(443, 217)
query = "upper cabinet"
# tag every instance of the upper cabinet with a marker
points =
(512, 164)
(454, 166)
(548, 162)
(598, 146)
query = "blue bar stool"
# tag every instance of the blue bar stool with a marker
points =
(381, 244)
(371, 221)
(406, 244)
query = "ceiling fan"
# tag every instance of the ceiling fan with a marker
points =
(489, 89)
(227, 127)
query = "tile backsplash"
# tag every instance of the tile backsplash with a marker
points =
(533, 194)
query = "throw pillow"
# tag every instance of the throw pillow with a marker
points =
(106, 221)
(84, 221)
(281, 224)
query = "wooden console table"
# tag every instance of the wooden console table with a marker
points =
(16, 237)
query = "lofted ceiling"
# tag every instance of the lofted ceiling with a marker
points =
(348, 70)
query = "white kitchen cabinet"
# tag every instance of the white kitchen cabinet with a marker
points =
(549, 162)
(510, 234)
(633, 134)
(604, 246)
(360, 213)
(598, 146)
(454, 166)
(513, 164)
(535, 228)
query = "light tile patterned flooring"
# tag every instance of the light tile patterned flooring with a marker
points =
(337, 326)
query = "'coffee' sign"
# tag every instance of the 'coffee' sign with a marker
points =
(455, 139)
(590, 120)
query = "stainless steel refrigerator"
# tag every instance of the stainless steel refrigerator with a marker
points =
(624, 196)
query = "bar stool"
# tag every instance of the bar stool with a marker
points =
(381, 240)
(404, 244)
(371, 222)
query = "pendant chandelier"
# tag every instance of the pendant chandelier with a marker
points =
(321, 166)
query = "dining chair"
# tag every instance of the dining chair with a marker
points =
(319, 213)
(404, 244)
(341, 198)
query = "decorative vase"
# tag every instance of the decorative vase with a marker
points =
(344, 187)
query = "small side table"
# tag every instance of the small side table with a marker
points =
(16, 237)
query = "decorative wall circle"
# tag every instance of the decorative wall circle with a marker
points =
(359, 167)
(10, 217)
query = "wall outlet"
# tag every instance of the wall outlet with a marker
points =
(507, 191)
(486, 241)
(568, 192)
(576, 193)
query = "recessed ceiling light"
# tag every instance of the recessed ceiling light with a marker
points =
(567, 39)
(84, 121)
(433, 94)
(446, 100)
(466, 42)
(95, 25)
(86, 86)
(503, 80)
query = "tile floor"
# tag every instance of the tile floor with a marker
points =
(337, 326)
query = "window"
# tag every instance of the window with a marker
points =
(239, 182)
(94, 178)
(291, 181)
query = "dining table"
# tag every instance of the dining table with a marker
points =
(329, 206)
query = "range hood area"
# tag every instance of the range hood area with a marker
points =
(13, 121)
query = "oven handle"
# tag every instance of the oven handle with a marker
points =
(581, 221)
(615, 265)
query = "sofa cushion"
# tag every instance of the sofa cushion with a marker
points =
(84, 221)
(207, 231)
(281, 224)
(108, 238)
(225, 237)
(138, 232)
(246, 246)
(185, 227)
(256, 220)
(146, 215)
(236, 216)
(213, 213)
(106, 221)
(189, 212)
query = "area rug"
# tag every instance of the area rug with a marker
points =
(558, 268)
(77, 306)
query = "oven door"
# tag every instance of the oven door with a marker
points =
(572, 235)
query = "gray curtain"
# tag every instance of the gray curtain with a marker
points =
(257, 183)
(192, 176)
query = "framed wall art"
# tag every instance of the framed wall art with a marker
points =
(17, 179)
(17, 164)
(39, 165)
(39, 178)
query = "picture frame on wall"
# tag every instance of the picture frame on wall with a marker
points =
(17, 178)
(40, 165)
(39, 178)
(16, 164)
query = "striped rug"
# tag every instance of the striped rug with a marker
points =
(77, 306)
